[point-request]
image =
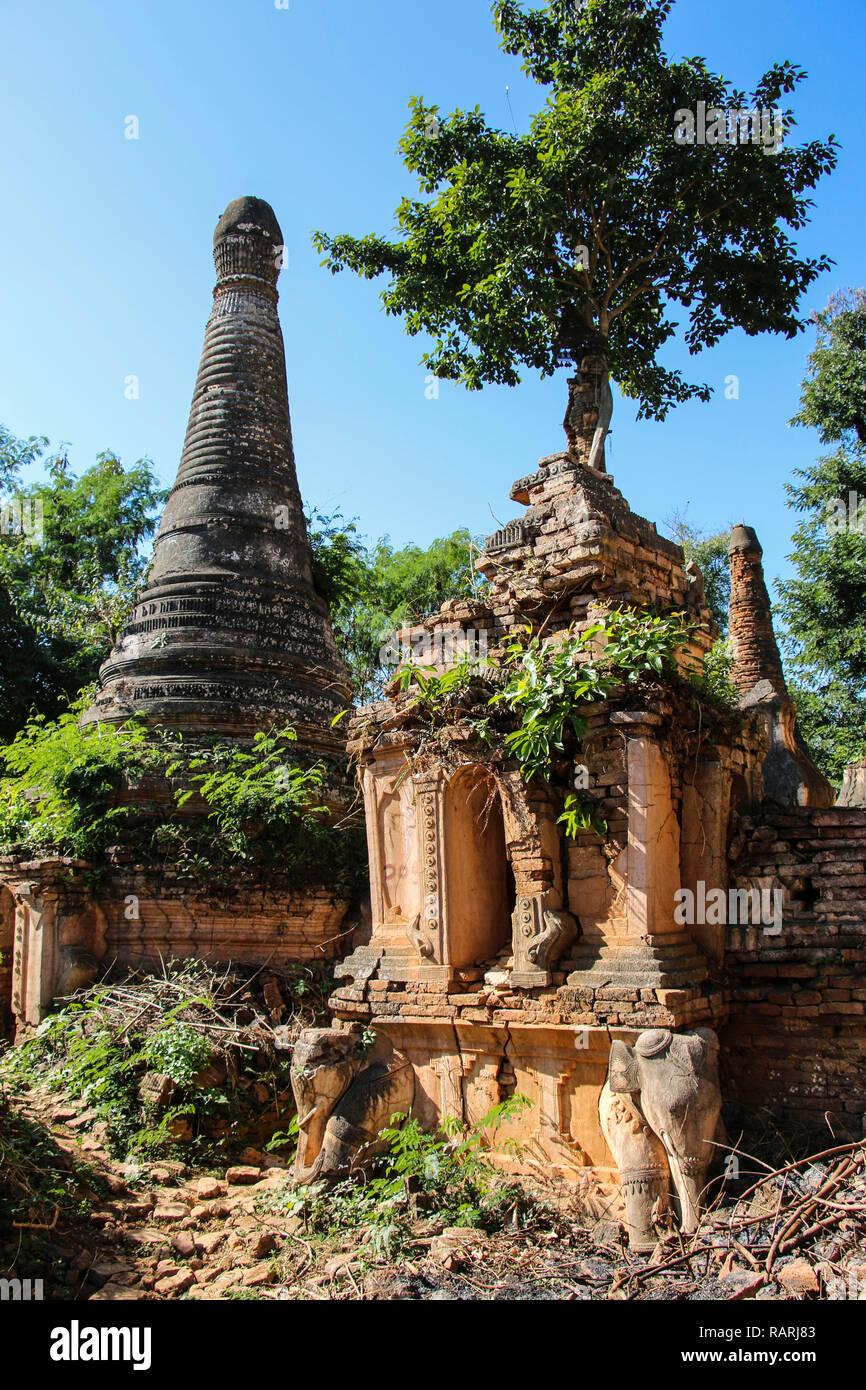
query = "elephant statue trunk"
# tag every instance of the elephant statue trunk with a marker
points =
(640, 1159)
(669, 1084)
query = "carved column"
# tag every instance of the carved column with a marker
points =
(653, 862)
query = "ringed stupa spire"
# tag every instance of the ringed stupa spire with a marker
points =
(229, 633)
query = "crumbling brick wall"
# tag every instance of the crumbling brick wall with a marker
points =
(796, 1040)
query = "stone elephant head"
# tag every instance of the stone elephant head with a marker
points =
(671, 1080)
(343, 1101)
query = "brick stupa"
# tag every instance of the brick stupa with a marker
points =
(228, 634)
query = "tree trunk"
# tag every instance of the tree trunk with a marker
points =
(590, 405)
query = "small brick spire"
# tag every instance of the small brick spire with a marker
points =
(790, 776)
(751, 625)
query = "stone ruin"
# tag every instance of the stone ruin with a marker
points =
(502, 956)
(228, 636)
(505, 958)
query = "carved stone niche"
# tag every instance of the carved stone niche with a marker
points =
(441, 885)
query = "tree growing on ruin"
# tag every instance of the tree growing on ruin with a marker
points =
(824, 606)
(626, 202)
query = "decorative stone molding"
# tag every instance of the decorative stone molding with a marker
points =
(540, 935)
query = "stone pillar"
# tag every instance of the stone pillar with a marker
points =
(703, 850)
(653, 865)
(790, 776)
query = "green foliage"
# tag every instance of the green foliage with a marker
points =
(73, 1052)
(643, 644)
(374, 589)
(710, 554)
(100, 1053)
(253, 792)
(579, 815)
(438, 692)
(58, 780)
(257, 804)
(177, 1050)
(833, 398)
(716, 683)
(64, 595)
(449, 1174)
(589, 231)
(832, 721)
(548, 682)
(823, 607)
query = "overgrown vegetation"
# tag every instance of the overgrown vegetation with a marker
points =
(823, 606)
(374, 589)
(174, 1057)
(449, 1174)
(68, 786)
(69, 567)
(549, 684)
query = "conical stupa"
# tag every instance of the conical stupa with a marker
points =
(229, 635)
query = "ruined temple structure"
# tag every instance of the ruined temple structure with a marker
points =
(228, 637)
(506, 957)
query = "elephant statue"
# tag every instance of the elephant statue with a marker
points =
(670, 1083)
(343, 1101)
(642, 1164)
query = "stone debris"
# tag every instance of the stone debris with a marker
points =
(798, 1232)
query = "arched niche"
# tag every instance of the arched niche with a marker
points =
(480, 885)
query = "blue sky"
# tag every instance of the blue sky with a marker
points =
(107, 270)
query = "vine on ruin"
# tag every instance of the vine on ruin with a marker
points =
(64, 788)
(549, 684)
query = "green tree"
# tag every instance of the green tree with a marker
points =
(374, 589)
(70, 563)
(590, 231)
(710, 553)
(824, 606)
(833, 400)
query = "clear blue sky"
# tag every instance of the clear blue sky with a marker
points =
(106, 270)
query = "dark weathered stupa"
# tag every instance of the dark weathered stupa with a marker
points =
(229, 634)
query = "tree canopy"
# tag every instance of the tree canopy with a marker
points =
(592, 231)
(71, 559)
(710, 553)
(373, 589)
(824, 606)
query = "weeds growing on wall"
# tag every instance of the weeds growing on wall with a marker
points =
(549, 684)
(65, 786)
(449, 1174)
